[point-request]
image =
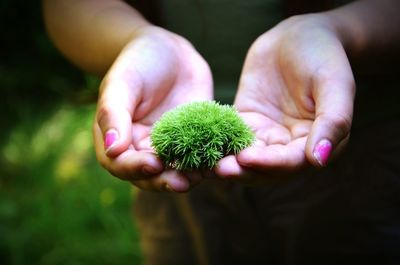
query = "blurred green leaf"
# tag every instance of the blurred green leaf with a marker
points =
(57, 205)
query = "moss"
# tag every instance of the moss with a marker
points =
(198, 134)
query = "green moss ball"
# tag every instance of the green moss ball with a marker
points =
(198, 134)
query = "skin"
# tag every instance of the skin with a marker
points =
(148, 71)
(134, 96)
(296, 87)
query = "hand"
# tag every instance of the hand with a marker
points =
(296, 92)
(155, 72)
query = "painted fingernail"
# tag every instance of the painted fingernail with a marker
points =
(110, 138)
(322, 151)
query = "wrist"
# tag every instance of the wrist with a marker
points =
(340, 24)
(150, 34)
(347, 30)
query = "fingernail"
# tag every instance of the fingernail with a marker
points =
(322, 151)
(110, 138)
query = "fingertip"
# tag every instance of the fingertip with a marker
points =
(152, 165)
(252, 156)
(176, 182)
(115, 124)
(322, 152)
(246, 157)
(326, 134)
(114, 143)
(228, 167)
(111, 138)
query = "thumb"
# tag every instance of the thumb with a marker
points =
(334, 99)
(114, 116)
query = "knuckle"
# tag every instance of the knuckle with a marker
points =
(340, 124)
(103, 114)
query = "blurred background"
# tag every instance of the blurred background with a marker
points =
(57, 205)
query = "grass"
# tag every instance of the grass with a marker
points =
(57, 206)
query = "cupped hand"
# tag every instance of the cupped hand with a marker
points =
(296, 92)
(156, 71)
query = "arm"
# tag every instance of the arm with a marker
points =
(149, 70)
(91, 33)
(368, 26)
(297, 87)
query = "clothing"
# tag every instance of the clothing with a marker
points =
(347, 213)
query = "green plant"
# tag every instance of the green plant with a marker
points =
(198, 134)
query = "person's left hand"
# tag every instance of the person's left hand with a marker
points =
(296, 93)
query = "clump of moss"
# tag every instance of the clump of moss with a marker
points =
(198, 134)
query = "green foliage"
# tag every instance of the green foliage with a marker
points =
(198, 134)
(57, 205)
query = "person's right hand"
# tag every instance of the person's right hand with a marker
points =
(156, 71)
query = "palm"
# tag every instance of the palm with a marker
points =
(153, 74)
(178, 80)
(280, 120)
(296, 86)
(175, 95)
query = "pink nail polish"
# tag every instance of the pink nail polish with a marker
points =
(110, 138)
(322, 151)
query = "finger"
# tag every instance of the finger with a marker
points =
(229, 168)
(131, 164)
(141, 137)
(169, 180)
(265, 129)
(114, 114)
(334, 97)
(288, 157)
(340, 147)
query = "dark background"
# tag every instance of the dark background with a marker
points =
(57, 205)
